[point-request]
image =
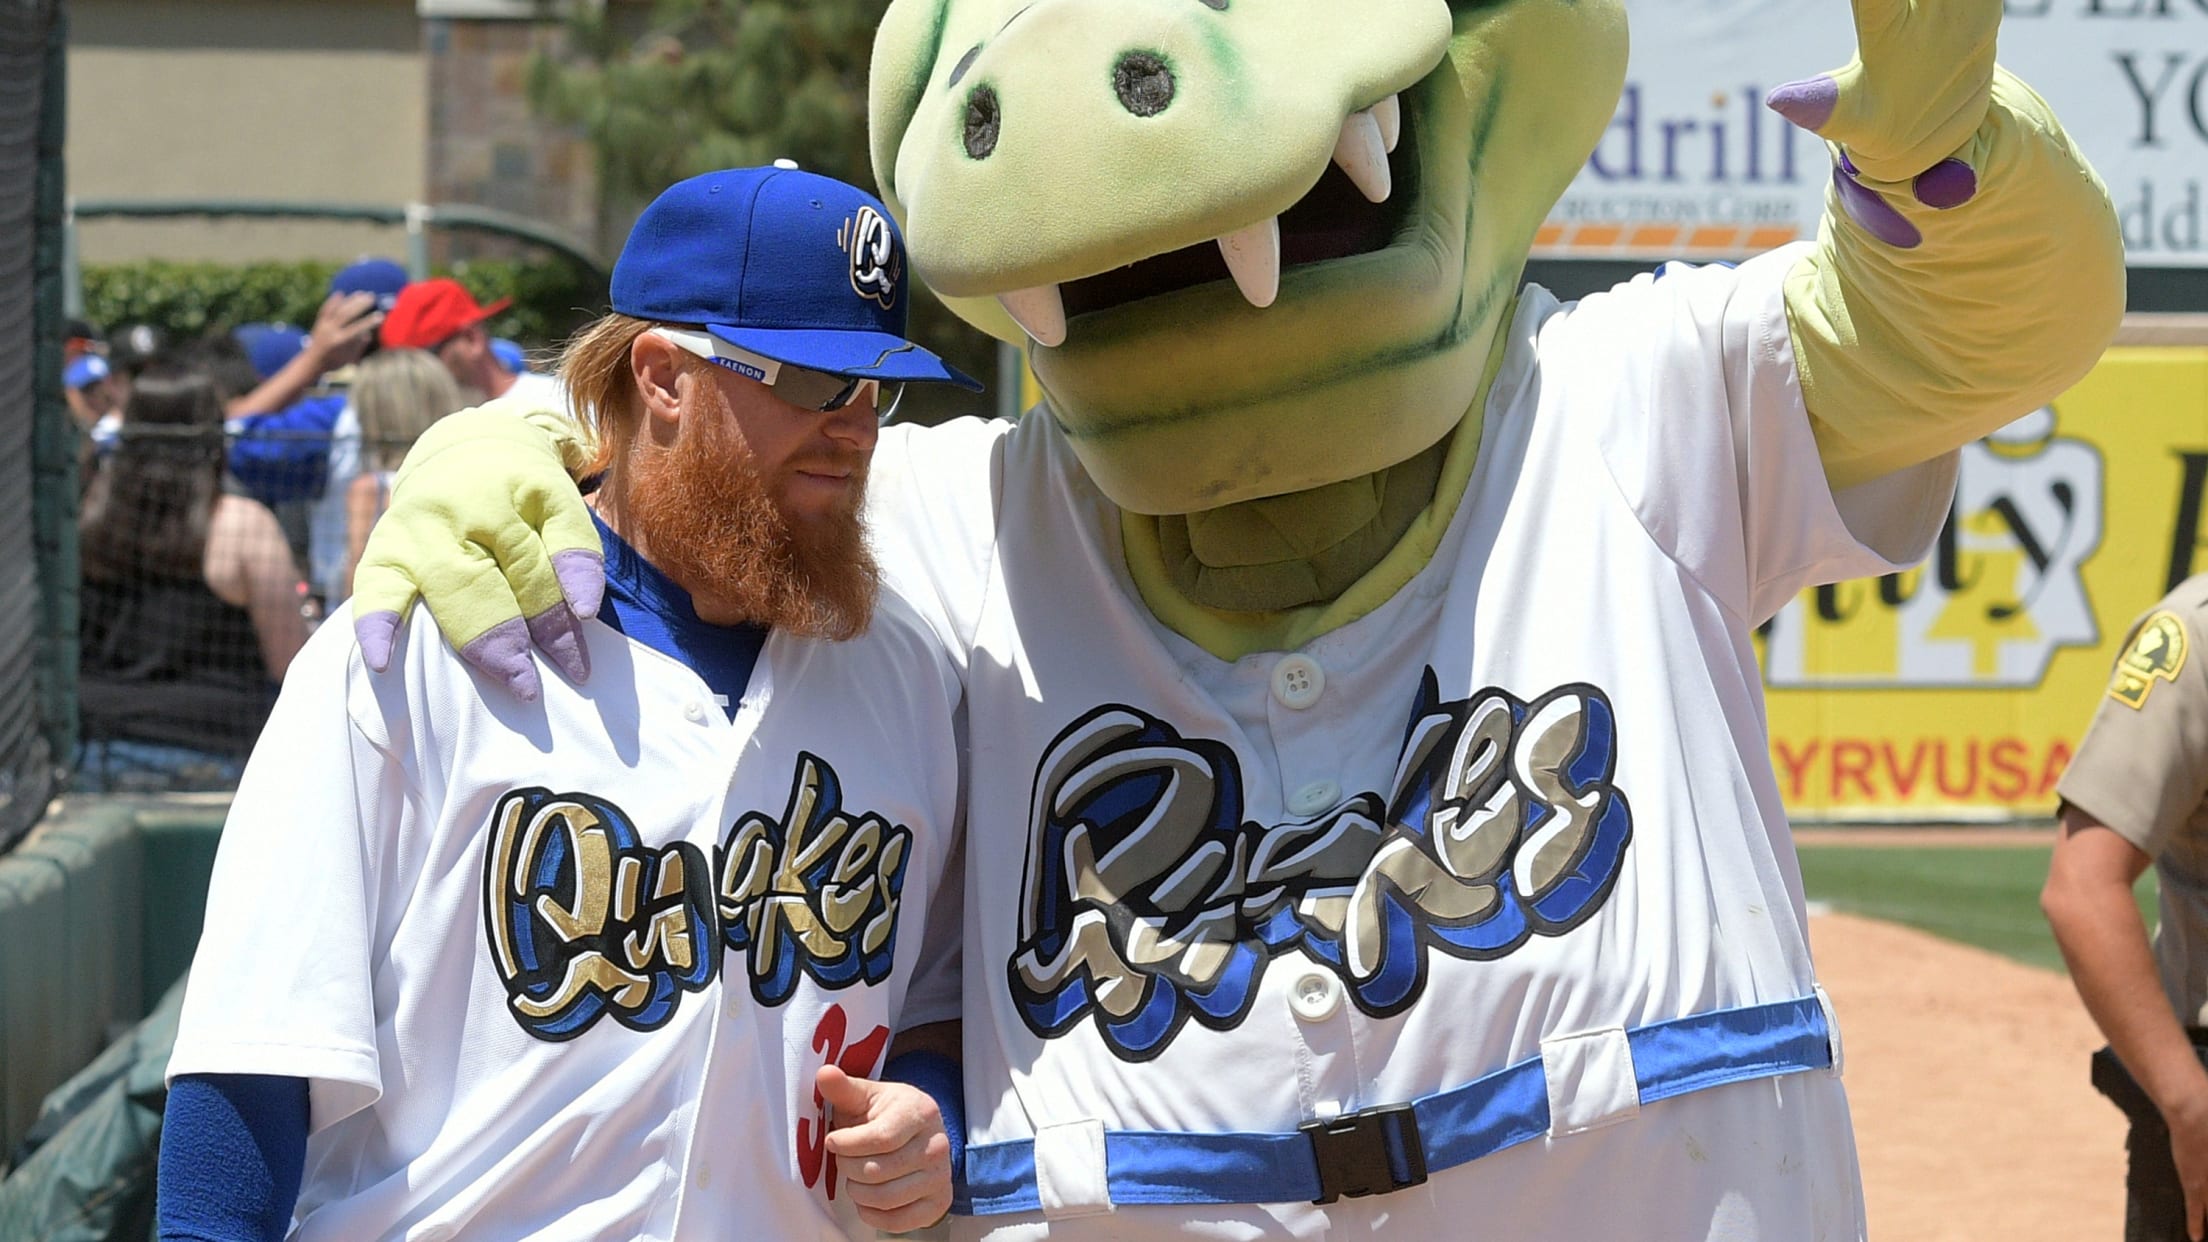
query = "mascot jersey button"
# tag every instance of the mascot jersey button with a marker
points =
(1315, 797)
(1298, 681)
(1315, 995)
(693, 711)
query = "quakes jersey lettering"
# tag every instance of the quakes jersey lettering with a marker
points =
(584, 919)
(1148, 899)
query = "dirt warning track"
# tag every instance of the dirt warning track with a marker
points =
(1967, 1076)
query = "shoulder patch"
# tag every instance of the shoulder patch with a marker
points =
(2156, 653)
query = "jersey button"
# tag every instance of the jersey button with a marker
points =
(1315, 797)
(1315, 995)
(1298, 681)
(693, 711)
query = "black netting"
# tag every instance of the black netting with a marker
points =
(33, 532)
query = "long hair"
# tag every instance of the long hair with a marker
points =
(398, 394)
(600, 387)
(146, 513)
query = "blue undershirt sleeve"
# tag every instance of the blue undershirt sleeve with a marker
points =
(944, 1079)
(233, 1148)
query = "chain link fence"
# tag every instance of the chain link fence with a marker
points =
(35, 488)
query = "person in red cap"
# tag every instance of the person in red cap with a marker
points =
(441, 316)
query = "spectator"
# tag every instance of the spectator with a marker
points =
(133, 346)
(95, 394)
(191, 601)
(397, 395)
(328, 567)
(442, 317)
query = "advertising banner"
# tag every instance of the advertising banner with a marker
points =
(1959, 689)
(1693, 165)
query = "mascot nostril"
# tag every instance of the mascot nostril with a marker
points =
(1144, 83)
(982, 121)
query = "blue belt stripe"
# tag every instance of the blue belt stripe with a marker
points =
(1458, 1126)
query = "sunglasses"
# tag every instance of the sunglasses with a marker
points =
(822, 392)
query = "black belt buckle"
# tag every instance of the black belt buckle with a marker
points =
(1352, 1151)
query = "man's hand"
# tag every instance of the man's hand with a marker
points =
(342, 330)
(1914, 95)
(889, 1142)
(2188, 1122)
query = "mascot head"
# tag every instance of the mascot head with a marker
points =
(1260, 246)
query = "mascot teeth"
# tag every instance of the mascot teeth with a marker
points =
(1040, 312)
(1389, 113)
(1362, 152)
(1253, 256)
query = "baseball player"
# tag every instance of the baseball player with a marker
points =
(2136, 795)
(628, 961)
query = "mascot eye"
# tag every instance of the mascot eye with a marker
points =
(1144, 84)
(981, 122)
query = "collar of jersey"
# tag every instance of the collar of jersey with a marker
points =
(633, 581)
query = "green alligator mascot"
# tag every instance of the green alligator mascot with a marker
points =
(1371, 825)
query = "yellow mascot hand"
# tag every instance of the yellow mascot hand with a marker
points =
(486, 527)
(1904, 108)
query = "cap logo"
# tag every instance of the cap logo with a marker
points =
(876, 267)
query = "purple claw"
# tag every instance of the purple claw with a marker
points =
(1847, 165)
(582, 576)
(377, 633)
(1876, 216)
(559, 635)
(1947, 184)
(502, 652)
(1807, 103)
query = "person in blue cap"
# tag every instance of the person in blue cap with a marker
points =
(290, 443)
(666, 954)
(95, 396)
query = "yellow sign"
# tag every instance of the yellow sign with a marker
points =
(1960, 689)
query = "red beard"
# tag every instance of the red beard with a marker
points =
(703, 515)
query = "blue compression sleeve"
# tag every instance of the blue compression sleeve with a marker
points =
(945, 1082)
(233, 1148)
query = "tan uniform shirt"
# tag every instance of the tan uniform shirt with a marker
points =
(2143, 771)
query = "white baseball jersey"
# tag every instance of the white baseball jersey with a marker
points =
(1521, 808)
(567, 969)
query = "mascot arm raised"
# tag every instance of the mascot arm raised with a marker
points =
(486, 524)
(1969, 267)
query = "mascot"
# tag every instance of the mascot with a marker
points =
(1371, 821)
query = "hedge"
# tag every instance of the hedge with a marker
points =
(184, 300)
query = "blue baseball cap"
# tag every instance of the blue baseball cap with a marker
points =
(515, 358)
(270, 345)
(788, 264)
(85, 370)
(382, 277)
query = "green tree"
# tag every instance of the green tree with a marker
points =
(681, 87)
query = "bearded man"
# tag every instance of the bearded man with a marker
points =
(625, 960)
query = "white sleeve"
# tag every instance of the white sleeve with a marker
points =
(933, 494)
(1701, 423)
(282, 982)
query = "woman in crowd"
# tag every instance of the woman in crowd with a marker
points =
(397, 394)
(191, 599)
